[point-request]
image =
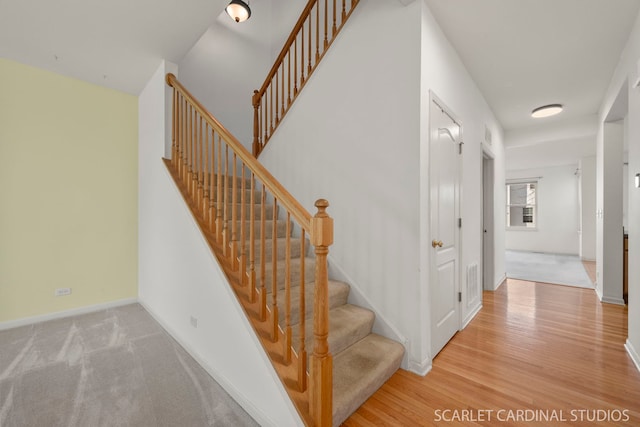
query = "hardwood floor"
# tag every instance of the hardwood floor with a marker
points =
(535, 355)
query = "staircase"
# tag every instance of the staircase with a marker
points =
(274, 254)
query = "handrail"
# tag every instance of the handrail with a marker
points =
(292, 205)
(301, 52)
(246, 215)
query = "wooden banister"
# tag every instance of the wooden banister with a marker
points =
(303, 47)
(297, 211)
(214, 172)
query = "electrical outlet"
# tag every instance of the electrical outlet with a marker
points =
(60, 292)
(194, 322)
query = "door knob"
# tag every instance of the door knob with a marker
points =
(436, 243)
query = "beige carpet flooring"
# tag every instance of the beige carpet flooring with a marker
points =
(115, 367)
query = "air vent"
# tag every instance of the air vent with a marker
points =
(487, 135)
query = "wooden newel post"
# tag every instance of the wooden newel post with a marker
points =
(321, 362)
(256, 119)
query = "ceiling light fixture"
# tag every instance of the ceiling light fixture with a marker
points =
(238, 10)
(546, 111)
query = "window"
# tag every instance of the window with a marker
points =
(521, 205)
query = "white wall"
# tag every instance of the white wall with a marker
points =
(588, 208)
(609, 250)
(358, 136)
(628, 70)
(558, 212)
(231, 60)
(179, 278)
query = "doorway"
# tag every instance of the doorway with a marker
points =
(488, 276)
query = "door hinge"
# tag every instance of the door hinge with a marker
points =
(459, 222)
(459, 296)
(460, 147)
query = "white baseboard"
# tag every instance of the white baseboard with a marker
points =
(65, 313)
(420, 368)
(500, 281)
(633, 353)
(471, 315)
(612, 300)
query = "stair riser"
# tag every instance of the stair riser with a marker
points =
(294, 274)
(294, 248)
(281, 229)
(257, 211)
(336, 299)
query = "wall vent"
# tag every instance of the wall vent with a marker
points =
(472, 283)
(487, 135)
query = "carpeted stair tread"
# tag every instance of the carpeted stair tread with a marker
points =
(348, 324)
(360, 370)
(338, 294)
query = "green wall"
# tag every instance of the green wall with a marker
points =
(68, 192)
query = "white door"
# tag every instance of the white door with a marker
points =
(445, 276)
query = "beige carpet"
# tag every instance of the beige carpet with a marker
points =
(116, 367)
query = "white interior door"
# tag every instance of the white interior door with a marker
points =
(445, 272)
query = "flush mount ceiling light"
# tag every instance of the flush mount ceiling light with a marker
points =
(546, 111)
(238, 10)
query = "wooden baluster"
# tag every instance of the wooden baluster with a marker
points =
(263, 263)
(219, 219)
(205, 175)
(202, 165)
(309, 68)
(192, 160)
(195, 159)
(178, 159)
(302, 55)
(212, 204)
(185, 144)
(283, 91)
(242, 271)
(198, 175)
(302, 350)
(255, 101)
(252, 241)
(173, 127)
(295, 66)
(274, 272)
(326, 27)
(287, 292)
(189, 149)
(277, 113)
(288, 81)
(264, 121)
(344, 10)
(234, 214)
(334, 29)
(317, 32)
(225, 204)
(271, 109)
(321, 364)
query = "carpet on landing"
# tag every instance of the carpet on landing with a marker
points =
(547, 268)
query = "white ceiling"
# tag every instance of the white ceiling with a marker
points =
(115, 43)
(522, 53)
(526, 53)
